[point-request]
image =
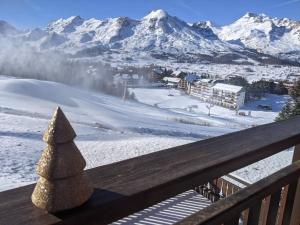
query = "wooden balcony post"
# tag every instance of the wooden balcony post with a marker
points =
(295, 220)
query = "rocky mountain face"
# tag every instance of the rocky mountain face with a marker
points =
(253, 38)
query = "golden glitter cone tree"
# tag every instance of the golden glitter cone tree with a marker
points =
(62, 184)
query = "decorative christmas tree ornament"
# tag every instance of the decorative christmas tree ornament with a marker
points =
(62, 184)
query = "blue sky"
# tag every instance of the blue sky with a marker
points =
(37, 13)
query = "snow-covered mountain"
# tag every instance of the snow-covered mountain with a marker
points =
(158, 31)
(158, 35)
(6, 28)
(264, 34)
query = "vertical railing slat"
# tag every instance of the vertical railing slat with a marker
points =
(264, 210)
(282, 204)
(290, 199)
(273, 208)
(295, 220)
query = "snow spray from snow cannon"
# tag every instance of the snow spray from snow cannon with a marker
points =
(62, 184)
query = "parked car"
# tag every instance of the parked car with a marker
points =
(265, 107)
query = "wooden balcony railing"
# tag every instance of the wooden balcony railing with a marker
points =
(126, 187)
(228, 211)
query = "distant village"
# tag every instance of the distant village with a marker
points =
(231, 92)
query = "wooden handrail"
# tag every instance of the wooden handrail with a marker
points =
(238, 179)
(131, 185)
(230, 207)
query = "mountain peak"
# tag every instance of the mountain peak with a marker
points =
(65, 25)
(250, 14)
(157, 14)
(260, 16)
(205, 24)
(75, 19)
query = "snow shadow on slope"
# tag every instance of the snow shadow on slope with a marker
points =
(27, 135)
(45, 90)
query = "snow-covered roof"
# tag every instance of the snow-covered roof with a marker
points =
(172, 79)
(206, 80)
(135, 76)
(228, 87)
(177, 72)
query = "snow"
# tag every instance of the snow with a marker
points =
(108, 128)
(159, 35)
(228, 87)
(179, 102)
(263, 33)
(172, 79)
(156, 14)
(111, 130)
(222, 117)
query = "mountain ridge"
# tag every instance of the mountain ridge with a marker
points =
(252, 37)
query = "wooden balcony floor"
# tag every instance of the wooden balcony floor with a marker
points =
(169, 211)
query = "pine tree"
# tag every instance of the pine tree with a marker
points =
(286, 112)
(62, 184)
(292, 107)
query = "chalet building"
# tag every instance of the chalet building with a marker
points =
(172, 82)
(289, 86)
(178, 73)
(293, 77)
(227, 95)
(184, 82)
(188, 81)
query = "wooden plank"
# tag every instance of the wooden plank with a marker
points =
(131, 185)
(264, 210)
(287, 213)
(238, 179)
(273, 208)
(221, 211)
(282, 203)
(295, 220)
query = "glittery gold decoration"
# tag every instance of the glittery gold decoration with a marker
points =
(62, 184)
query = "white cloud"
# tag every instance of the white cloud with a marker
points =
(185, 5)
(287, 3)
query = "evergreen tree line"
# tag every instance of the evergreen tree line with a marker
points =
(292, 107)
(258, 89)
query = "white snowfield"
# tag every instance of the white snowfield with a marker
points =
(110, 129)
